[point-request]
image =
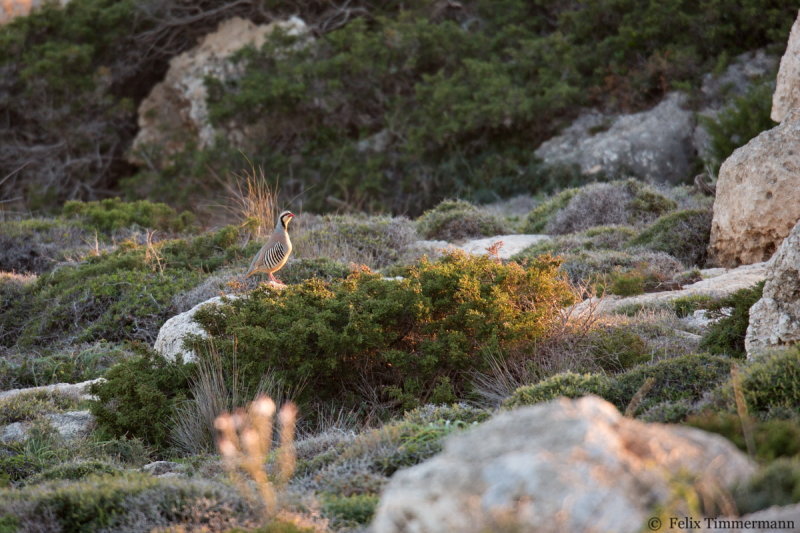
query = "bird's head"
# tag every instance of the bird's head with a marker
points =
(285, 218)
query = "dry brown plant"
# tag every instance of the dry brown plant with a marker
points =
(253, 200)
(245, 442)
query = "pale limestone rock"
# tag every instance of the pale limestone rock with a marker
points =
(70, 426)
(567, 465)
(758, 196)
(775, 318)
(78, 389)
(176, 109)
(787, 91)
(169, 342)
(655, 145)
(511, 245)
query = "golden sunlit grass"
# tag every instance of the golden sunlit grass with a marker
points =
(254, 200)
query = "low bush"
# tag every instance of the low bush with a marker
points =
(773, 439)
(411, 340)
(686, 305)
(299, 270)
(453, 220)
(114, 214)
(567, 384)
(37, 245)
(537, 219)
(29, 406)
(127, 502)
(669, 412)
(726, 335)
(375, 241)
(682, 234)
(355, 509)
(620, 202)
(139, 397)
(123, 295)
(776, 484)
(616, 349)
(74, 470)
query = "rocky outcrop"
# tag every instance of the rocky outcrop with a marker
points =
(568, 465)
(69, 426)
(758, 196)
(655, 145)
(80, 390)
(176, 111)
(775, 318)
(510, 245)
(172, 334)
(787, 90)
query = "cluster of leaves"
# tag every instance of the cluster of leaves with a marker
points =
(410, 340)
(122, 295)
(726, 335)
(682, 234)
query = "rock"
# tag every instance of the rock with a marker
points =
(169, 342)
(787, 90)
(758, 196)
(773, 520)
(70, 426)
(655, 145)
(717, 283)
(164, 469)
(567, 465)
(176, 110)
(79, 389)
(701, 318)
(718, 90)
(512, 244)
(775, 318)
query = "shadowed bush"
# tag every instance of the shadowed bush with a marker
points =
(454, 220)
(726, 335)
(682, 234)
(114, 214)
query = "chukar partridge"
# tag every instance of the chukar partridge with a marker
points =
(274, 254)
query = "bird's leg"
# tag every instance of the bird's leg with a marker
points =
(274, 279)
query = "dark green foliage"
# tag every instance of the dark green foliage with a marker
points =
(412, 339)
(114, 214)
(139, 397)
(627, 283)
(687, 305)
(682, 234)
(117, 502)
(618, 349)
(122, 295)
(776, 484)
(357, 508)
(669, 412)
(772, 438)
(735, 125)
(681, 378)
(453, 220)
(322, 268)
(686, 377)
(726, 336)
(74, 471)
(566, 384)
(538, 218)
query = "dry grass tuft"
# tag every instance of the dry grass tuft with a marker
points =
(254, 200)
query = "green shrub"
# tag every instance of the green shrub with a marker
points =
(123, 295)
(357, 508)
(413, 339)
(627, 283)
(773, 439)
(128, 502)
(139, 397)
(37, 245)
(771, 384)
(566, 384)
(538, 218)
(323, 268)
(669, 412)
(726, 336)
(686, 377)
(682, 234)
(113, 214)
(686, 305)
(618, 348)
(74, 471)
(375, 241)
(29, 406)
(776, 484)
(453, 220)
(735, 125)
(628, 202)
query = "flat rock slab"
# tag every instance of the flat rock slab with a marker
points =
(718, 283)
(70, 426)
(80, 390)
(511, 244)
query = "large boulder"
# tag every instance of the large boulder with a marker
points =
(567, 465)
(72, 425)
(758, 196)
(787, 90)
(775, 318)
(172, 334)
(176, 111)
(655, 145)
